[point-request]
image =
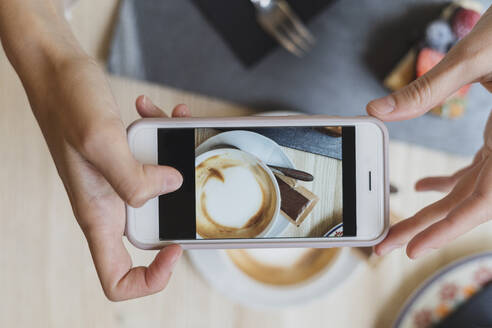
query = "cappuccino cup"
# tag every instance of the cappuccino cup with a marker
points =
(237, 196)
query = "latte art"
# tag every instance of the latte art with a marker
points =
(235, 197)
(237, 188)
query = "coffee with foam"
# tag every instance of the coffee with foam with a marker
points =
(282, 266)
(235, 196)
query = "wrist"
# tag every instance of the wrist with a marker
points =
(38, 42)
(61, 81)
(43, 53)
(47, 60)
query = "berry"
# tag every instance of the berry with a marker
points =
(439, 36)
(463, 21)
(451, 108)
(462, 92)
(427, 59)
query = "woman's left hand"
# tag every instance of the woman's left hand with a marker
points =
(467, 204)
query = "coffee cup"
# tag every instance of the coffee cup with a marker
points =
(237, 195)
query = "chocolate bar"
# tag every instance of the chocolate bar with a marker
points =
(296, 201)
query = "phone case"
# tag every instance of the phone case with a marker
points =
(270, 121)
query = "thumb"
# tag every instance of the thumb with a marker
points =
(424, 93)
(108, 150)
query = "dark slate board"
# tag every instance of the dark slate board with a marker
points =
(309, 139)
(358, 41)
(235, 21)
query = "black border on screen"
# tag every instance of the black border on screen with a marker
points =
(349, 186)
(177, 212)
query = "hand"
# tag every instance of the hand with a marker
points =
(87, 140)
(469, 199)
(79, 118)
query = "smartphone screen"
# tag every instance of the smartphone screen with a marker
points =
(262, 182)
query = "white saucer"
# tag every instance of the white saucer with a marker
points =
(267, 150)
(220, 273)
(218, 270)
(254, 143)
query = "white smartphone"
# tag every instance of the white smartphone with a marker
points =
(291, 181)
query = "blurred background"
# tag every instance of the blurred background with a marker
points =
(216, 57)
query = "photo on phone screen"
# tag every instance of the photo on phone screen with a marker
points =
(262, 182)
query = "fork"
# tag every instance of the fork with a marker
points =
(279, 20)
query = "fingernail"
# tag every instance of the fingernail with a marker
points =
(383, 105)
(182, 113)
(176, 256)
(179, 113)
(173, 182)
(389, 249)
(149, 104)
(174, 259)
(145, 101)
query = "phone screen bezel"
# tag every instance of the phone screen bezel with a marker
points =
(371, 138)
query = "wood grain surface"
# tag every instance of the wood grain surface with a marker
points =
(327, 185)
(47, 278)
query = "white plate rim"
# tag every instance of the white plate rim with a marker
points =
(332, 277)
(334, 229)
(419, 291)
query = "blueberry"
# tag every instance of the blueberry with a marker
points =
(439, 36)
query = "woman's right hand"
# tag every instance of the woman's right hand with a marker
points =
(87, 139)
(79, 118)
(81, 124)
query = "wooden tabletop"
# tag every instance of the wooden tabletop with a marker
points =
(327, 213)
(47, 278)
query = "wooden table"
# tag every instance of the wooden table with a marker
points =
(328, 211)
(47, 278)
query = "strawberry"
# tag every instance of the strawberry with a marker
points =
(427, 59)
(463, 21)
(463, 91)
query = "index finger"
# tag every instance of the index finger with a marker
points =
(472, 211)
(146, 108)
(121, 281)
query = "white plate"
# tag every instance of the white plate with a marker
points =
(267, 150)
(254, 143)
(218, 270)
(445, 291)
(335, 231)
